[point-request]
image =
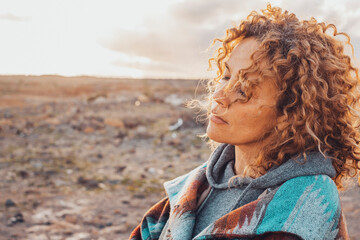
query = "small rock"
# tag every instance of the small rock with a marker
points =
(79, 236)
(9, 203)
(88, 130)
(35, 204)
(18, 132)
(169, 166)
(29, 124)
(131, 123)
(7, 114)
(120, 169)
(114, 123)
(37, 164)
(139, 195)
(121, 134)
(113, 182)
(114, 229)
(176, 125)
(71, 218)
(59, 182)
(100, 100)
(44, 216)
(152, 170)
(17, 218)
(174, 141)
(88, 183)
(103, 186)
(32, 192)
(69, 161)
(23, 173)
(52, 121)
(49, 173)
(143, 133)
(37, 236)
(97, 98)
(174, 100)
(143, 98)
(103, 225)
(141, 130)
(37, 228)
(56, 236)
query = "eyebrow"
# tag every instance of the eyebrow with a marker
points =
(227, 66)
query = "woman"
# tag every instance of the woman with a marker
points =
(283, 112)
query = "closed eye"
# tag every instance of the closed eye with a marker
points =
(238, 90)
(225, 78)
(241, 92)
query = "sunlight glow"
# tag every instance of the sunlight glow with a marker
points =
(61, 37)
(137, 38)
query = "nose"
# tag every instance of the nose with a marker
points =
(220, 97)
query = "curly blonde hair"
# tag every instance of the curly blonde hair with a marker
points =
(318, 87)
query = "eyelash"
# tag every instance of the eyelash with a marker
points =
(239, 90)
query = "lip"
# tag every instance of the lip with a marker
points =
(217, 119)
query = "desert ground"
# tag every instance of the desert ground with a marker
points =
(85, 157)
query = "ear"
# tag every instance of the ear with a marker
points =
(281, 122)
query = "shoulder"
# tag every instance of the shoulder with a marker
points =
(308, 206)
(176, 187)
(316, 189)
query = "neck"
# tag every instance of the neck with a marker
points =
(243, 158)
(245, 155)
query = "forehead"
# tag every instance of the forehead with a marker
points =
(240, 56)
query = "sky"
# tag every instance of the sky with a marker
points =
(136, 38)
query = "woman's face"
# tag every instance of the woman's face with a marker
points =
(243, 123)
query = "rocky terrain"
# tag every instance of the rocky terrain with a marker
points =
(85, 157)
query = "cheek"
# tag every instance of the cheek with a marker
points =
(254, 123)
(259, 113)
(245, 125)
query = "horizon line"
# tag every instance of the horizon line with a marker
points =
(104, 76)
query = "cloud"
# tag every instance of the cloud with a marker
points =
(176, 56)
(352, 4)
(173, 47)
(152, 67)
(176, 42)
(12, 17)
(204, 11)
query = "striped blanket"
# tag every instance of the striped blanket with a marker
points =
(306, 207)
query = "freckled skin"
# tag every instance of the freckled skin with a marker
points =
(246, 122)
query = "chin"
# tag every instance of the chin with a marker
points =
(221, 136)
(216, 136)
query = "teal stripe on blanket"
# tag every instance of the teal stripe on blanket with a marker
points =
(174, 188)
(303, 198)
(152, 229)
